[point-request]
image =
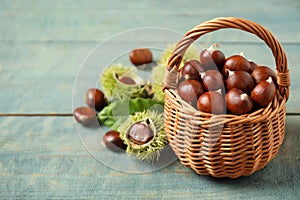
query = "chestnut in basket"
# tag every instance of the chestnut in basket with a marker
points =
(212, 80)
(190, 90)
(211, 102)
(261, 73)
(191, 70)
(113, 141)
(241, 80)
(264, 92)
(212, 58)
(253, 65)
(237, 62)
(238, 102)
(140, 56)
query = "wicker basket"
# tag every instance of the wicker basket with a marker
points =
(225, 145)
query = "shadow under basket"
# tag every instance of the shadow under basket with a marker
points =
(225, 145)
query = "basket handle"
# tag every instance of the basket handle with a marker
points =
(283, 75)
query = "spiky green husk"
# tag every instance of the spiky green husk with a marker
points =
(113, 89)
(151, 150)
(158, 72)
(192, 53)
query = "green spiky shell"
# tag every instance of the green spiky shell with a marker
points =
(114, 89)
(151, 150)
(158, 72)
(192, 53)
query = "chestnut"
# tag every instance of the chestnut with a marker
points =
(237, 62)
(140, 133)
(190, 90)
(190, 70)
(261, 73)
(85, 115)
(211, 102)
(212, 58)
(113, 141)
(212, 80)
(95, 98)
(140, 56)
(253, 65)
(241, 80)
(264, 92)
(238, 102)
(127, 80)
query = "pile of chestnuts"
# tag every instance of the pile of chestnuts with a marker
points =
(143, 132)
(86, 115)
(216, 84)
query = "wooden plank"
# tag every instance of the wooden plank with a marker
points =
(42, 157)
(41, 80)
(95, 21)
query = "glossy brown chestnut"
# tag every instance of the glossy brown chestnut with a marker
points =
(140, 56)
(127, 80)
(213, 80)
(241, 80)
(238, 102)
(253, 65)
(190, 90)
(211, 102)
(264, 92)
(212, 58)
(237, 62)
(190, 70)
(113, 141)
(85, 115)
(261, 73)
(140, 133)
(95, 98)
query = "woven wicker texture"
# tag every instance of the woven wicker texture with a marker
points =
(225, 145)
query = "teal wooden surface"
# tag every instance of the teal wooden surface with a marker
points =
(42, 157)
(47, 73)
(42, 46)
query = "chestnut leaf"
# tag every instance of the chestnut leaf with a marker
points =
(118, 111)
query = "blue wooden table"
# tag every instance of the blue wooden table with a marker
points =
(43, 44)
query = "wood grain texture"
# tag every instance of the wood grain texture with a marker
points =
(45, 72)
(42, 46)
(97, 20)
(42, 157)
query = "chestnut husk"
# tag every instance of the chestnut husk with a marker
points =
(264, 92)
(121, 82)
(238, 102)
(240, 80)
(150, 148)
